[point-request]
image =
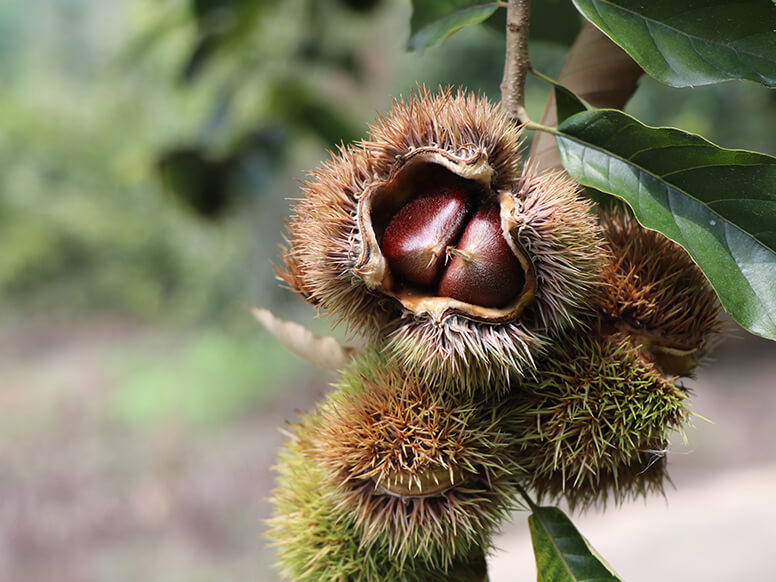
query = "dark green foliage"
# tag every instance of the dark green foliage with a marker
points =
(438, 30)
(552, 21)
(694, 42)
(210, 187)
(364, 6)
(424, 12)
(198, 182)
(718, 204)
(562, 554)
(220, 23)
(306, 112)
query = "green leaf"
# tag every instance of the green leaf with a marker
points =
(553, 21)
(567, 103)
(692, 42)
(438, 30)
(562, 554)
(718, 204)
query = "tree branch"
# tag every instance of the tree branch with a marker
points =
(517, 64)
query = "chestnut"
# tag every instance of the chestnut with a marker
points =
(483, 269)
(417, 237)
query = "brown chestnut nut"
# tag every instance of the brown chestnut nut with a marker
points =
(483, 269)
(416, 238)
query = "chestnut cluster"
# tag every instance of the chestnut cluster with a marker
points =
(440, 241)
(517, 337)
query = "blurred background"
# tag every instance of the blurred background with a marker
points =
(148, 151)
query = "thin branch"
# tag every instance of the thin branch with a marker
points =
(517, 64)
(531, 504)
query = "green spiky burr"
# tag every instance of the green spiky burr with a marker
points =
(596, 424)
(422, 472)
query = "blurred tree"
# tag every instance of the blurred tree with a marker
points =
(103, 103)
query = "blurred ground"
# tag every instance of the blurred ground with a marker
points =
(111, 473)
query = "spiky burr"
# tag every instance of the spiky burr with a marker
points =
(318, 540)
(430, 238)
(656, 293)
(596, 424)
(410, 475)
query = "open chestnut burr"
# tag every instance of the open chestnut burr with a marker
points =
(433, 238)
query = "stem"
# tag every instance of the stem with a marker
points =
(532, 125)
(542, 76)
(531, 504)
(516, 65)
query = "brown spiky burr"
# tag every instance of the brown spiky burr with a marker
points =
(430, 233)
(596, 424)
(317, 542)
(655, 292)
(421, 473)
